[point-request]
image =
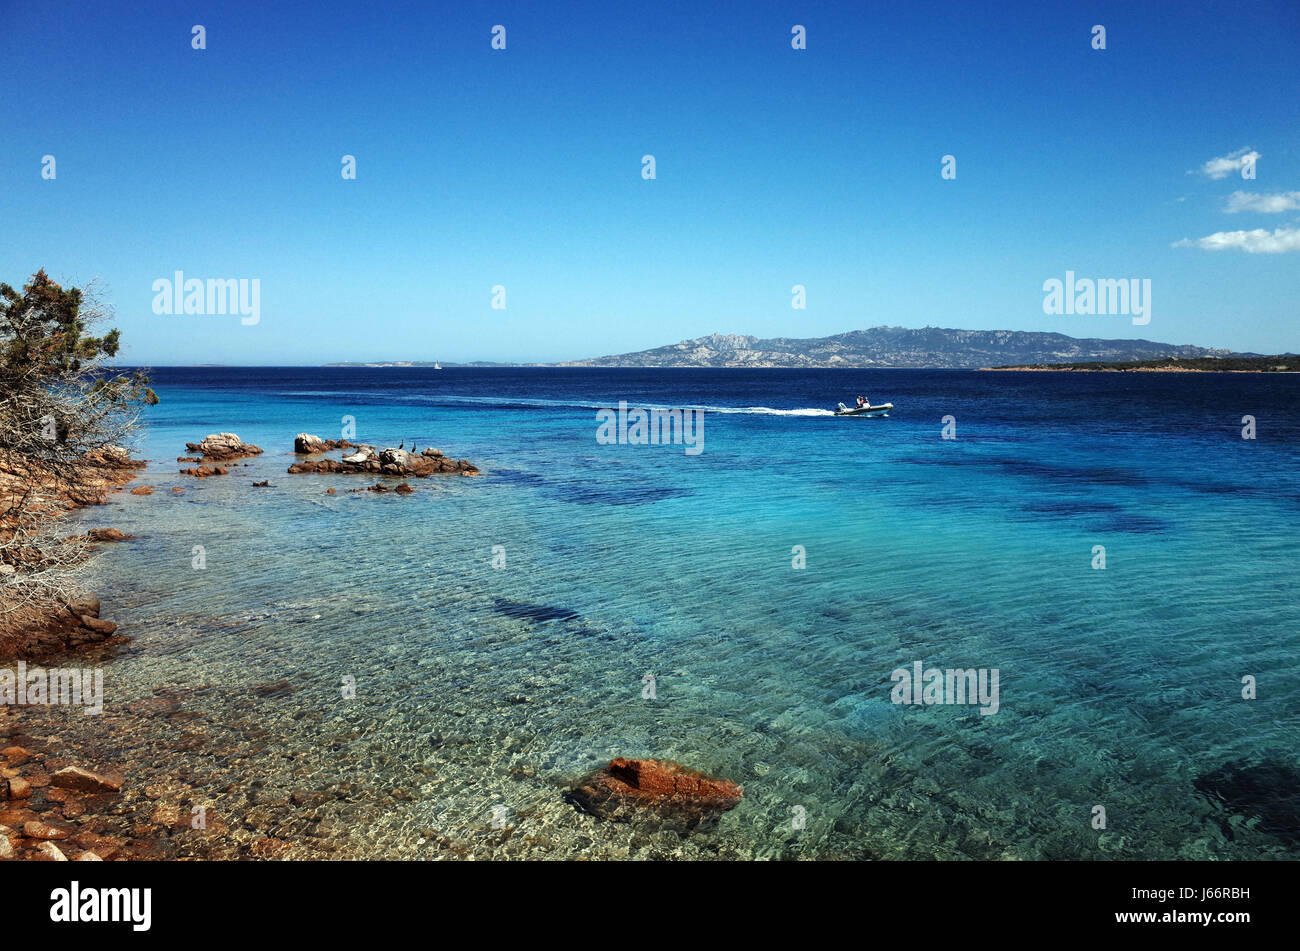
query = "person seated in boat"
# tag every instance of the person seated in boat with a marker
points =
(862, 401)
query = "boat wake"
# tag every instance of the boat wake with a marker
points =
(764, 410)
(498, 403)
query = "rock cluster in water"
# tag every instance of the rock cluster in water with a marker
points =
(391, 462)
(305, 444)
(221, 447)
(379, 487)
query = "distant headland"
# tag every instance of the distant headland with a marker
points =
(884, 348)
(1281, 363)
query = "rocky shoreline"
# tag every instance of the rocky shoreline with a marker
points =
(41, 634)
(368, 460)
(38, 633)
(72, 798)
(53, 809)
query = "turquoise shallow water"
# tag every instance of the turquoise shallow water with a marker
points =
(483, 691)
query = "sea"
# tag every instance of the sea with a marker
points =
(425, 676)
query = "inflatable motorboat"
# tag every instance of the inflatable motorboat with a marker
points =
(868, 410)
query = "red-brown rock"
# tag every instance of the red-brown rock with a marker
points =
(113, 457)
(202, 472)
(47, 830)
(98, 626)
(19, 788)
(83, 780)
(108, 535)
(657, 791)
(16, 755)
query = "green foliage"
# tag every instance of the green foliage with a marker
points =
(1281, 363)
(41, 330)
(44, 338)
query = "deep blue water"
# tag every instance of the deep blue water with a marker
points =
(482, 687)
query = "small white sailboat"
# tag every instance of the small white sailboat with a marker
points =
(437, 365)
(866, 409)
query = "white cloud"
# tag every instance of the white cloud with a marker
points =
(1225, 165)
(1258, 241)
(1267, 204)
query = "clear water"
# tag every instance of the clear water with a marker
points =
(482, 687)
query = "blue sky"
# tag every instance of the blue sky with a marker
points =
(775, 167)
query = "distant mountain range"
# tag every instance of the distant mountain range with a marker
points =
(928, 347)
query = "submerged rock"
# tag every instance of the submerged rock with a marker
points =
(19, 788)
(274, 688)
(659, 792)
(35, 829)
(1268, 790)
(202, 472)
(83, 780)
(377, 487)
(108, 535)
